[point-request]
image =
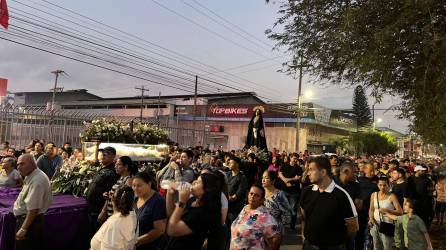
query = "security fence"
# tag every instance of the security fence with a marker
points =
(19, 125)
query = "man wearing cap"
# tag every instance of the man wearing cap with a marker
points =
(103, 182)
(420, 188)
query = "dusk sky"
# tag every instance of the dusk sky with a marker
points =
(187, 32)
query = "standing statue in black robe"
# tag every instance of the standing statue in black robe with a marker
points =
(256, 131)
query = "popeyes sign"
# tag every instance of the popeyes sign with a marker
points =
(229, 111)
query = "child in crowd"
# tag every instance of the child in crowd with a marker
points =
(410, 231)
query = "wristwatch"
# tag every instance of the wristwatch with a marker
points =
(182, 205)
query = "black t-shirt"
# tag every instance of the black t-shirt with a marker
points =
(103, 182)
(419, 188)
(399, 190)
(199, 221)
(368, 186)
(325, 214)
(251, 171)
(290, 172)
(154, 209)
(352, 188)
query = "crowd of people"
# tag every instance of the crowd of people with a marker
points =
(202, 199)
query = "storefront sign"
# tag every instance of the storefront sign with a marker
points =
(230, 111)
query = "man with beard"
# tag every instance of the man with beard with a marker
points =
(399, 185)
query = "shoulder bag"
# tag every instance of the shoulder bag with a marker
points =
(385, 228)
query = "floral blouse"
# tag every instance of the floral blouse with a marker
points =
(251, 229)
(279, 207)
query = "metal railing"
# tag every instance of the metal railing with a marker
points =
(19, 125)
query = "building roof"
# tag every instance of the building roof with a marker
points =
(393, 132)
(41, 98)
(210, 96)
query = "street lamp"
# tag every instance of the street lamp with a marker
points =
(308, 94)
(378, 120)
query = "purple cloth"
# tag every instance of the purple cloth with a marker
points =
(66, 222)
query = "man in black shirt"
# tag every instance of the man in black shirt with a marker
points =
(368, 184)
(399, 185)
(348, 182)
(291, 176)
(102, 183)
(237, 188)
(329, 214)
(420, 188)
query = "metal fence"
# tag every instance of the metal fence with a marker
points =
(19, 125)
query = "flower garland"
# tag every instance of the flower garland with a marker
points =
(260, 154)
(76, 178)
(115, 131)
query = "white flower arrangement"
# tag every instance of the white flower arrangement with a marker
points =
(116, 131)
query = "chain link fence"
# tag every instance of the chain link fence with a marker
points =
(19, 125)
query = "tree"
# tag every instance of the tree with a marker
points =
(375, 142)
(394, 47)
(361, 108)
(369, 142)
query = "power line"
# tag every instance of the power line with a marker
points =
(207, 29)
(227, 27)
(229, 22)
(163, 65)
(170, 51)
(48, 42)
(92, 64)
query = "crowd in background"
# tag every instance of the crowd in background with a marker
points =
(200, 198)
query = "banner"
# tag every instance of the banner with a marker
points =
(4, 15)
(3, 86)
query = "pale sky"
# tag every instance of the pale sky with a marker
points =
(187, 32)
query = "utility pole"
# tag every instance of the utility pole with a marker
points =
(195, 110)
(142, 99)
(299, 103)
(158, 111)
(53, 100)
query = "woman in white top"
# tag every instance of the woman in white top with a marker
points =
(388, 203)
(9, 176)
(119, 232)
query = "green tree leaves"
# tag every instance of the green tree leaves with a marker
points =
(395, 47)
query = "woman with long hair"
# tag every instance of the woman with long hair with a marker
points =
(150, 208)
(119, 231)
(193, 218)
(382, 203)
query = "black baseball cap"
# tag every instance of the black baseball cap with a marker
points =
(108, 150)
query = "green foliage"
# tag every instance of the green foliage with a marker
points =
(394, 47)
(361, 108)
(374, 143)
(368, 142)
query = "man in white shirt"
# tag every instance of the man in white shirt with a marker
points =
(31, 204)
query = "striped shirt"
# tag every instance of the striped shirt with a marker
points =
(121, 182)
